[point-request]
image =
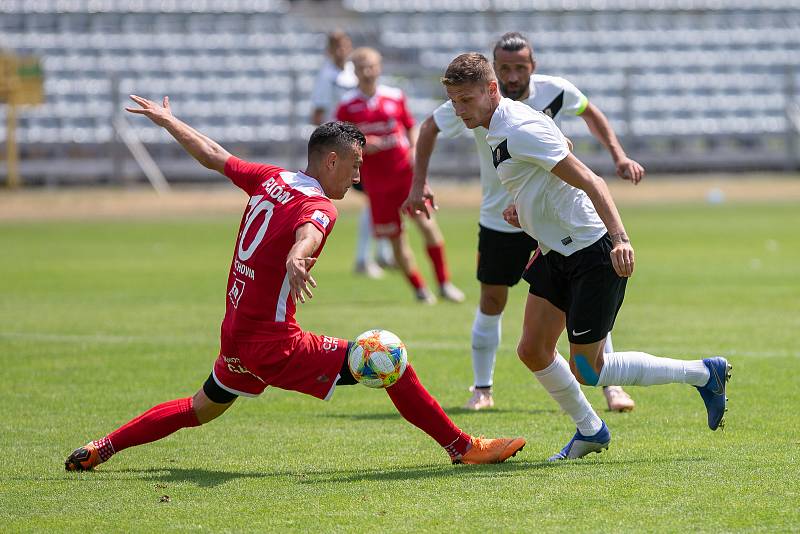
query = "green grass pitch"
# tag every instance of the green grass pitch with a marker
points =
(101, 320)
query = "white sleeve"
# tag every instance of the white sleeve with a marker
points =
(322, 92)
(575, 102)
(447, 121)
(538, 141)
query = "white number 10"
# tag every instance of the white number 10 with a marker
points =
(257, 205)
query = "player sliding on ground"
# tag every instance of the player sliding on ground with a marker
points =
(503, 250)
(579, 273)
(287, 220)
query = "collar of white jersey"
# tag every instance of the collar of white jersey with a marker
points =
(495, 120)
(304, 183)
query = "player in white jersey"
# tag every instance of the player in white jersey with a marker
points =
(503, 250)
(335, 78)
(579, 274)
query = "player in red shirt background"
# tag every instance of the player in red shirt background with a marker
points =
(283, 230)
(381, 113)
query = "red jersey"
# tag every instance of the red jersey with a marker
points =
(258, 305)
(384, 119)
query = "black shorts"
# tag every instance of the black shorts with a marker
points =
(583, 285)
(502, 256)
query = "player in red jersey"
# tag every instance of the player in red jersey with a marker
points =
(381, 113)
(283, 229)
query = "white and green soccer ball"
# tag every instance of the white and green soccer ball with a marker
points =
(377, 358)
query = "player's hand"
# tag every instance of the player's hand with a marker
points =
(160, 115)
(420, 201)
(511, 216)
(628, 169)
(299, 278)
(622, 255)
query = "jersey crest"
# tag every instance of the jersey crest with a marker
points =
(500, 154)
(555, 106)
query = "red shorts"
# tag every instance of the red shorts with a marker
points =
(308, 363)
(385, 203)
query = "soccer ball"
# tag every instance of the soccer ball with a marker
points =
(377, 359)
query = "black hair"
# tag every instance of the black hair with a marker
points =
(335, 136)
(513, 42)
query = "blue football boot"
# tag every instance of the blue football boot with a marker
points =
(580, 445)
(713, 392)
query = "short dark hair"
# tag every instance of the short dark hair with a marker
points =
(468, 68)
(335, 136)
(512, 42)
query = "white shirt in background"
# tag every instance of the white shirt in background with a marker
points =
(330, 85)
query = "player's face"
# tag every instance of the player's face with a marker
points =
(367, 70)
(473, 102)
(341, 50)
(346, 171)
(513, 71)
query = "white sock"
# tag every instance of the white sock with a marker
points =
(383, 250)
(642, 369)
(364, 235)
(609, 346)
(560, 383)
(486, 331)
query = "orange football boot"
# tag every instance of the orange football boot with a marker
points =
(491, 451)
(84, 458)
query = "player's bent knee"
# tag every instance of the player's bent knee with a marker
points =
(584, 371)
(211, 401)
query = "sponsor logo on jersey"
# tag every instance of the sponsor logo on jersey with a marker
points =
(555, 106)
(235, 294)
(244, 270)
(566, 241)
(321, 218)
(500, 154)
(330, 344)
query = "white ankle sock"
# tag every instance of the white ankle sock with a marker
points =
(486, 330)
(364, 235)
(609, 346)
(642, 369)
(559, 382)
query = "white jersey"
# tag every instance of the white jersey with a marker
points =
(549, 94)
(330, 85)
(526, 144)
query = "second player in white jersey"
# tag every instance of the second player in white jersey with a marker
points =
(550, 94)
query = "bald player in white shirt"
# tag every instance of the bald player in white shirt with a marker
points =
(579, 275)
(503, 250)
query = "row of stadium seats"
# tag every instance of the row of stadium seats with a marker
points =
(380, 6)
(143, 6)
(241, 84)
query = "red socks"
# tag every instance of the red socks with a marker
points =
(156, 423)
(420, 409)
(436, 253)
(416, 280)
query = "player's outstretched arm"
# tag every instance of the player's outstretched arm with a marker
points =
(299, 261)
(576, 174)
(207, 151)
(421, 195)
(601, 129)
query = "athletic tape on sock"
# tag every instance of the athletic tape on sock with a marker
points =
(586, 371)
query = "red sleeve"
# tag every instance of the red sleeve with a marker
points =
(406, 118)
(248, 175)
(320, 212)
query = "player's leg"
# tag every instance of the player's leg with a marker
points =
(597, 297)
(404, 257)
(364, 264)
(158, 422)
(617, 398)
(486, 332)
(434, 245)
(321, 366)
(502, 258)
